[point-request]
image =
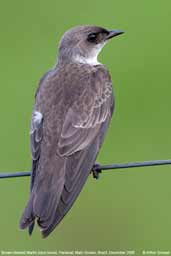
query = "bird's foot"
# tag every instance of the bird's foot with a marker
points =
(95, 171)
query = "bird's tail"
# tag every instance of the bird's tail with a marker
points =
(53, 194)
(41, 206)
(44, 197)
(27, 219)
(30, 228)
(33, 175)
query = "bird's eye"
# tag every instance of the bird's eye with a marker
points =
(92, 37)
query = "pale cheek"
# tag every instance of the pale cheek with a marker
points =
(97, 49)
(91, 59)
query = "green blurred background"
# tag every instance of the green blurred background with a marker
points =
(125, 209)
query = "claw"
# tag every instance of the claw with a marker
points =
(95, 171)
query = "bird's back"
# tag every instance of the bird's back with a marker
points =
(76, 104)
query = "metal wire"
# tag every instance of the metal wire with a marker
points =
(99, 168)
(14, 174)
(132, 165)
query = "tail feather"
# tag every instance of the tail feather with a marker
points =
(44, 198)
(31, 227)
(28, 216)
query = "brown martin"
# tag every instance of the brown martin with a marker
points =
(73, 107)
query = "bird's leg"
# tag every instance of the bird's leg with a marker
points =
(95, 171)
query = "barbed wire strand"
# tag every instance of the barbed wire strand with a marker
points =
(99, 168)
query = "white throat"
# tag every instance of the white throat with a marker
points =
(92, 59)
(83, 60)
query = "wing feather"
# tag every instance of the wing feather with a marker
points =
(81, 137)
(83, 120)
(78, 165)
(36, 134)
(57, 179)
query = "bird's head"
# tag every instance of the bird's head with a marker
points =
(82, 44)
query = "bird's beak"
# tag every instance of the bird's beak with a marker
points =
(113, 33)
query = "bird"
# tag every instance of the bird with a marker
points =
(74, 103)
